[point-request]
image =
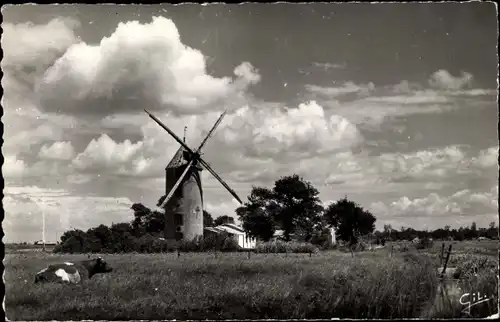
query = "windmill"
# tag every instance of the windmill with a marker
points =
(183, 202)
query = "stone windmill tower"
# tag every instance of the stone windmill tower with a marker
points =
(183, 202)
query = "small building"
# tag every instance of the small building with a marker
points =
(416, 240)
(278, 234)
(47, 243)
(237, 232)
(332, 238)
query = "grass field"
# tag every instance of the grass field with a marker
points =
(231, 286)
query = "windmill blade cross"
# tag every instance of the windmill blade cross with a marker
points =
(171, 193)
(212, 130)
(231, 191)
(184, 145)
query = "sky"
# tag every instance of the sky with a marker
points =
(392, 105)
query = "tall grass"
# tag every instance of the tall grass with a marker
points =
(233, 286)
(230, 286)
(286, 247)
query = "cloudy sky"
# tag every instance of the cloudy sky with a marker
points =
(393, 105)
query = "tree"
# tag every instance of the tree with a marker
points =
(473, 230)
(349, 219)
(77, 233)
(296, 205)
(100, 238)
(155, 222)
(122, 234)
(140, 216)
(256, 222)
(292, 205)
(256, 214)
(223, 220)
(147, 221)
(73, 241)
(208, 221)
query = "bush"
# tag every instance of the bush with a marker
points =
(424, 243)
(118, 241)
(221, 242)
(71, 245)
(470, 267)
(286, 247)
(322, 240)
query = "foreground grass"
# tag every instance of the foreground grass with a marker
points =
(200, 286)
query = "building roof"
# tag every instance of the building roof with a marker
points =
(230, 230)
(213, 229)
(234, 230)
(178, 159)
(233, 226)
(278, 232)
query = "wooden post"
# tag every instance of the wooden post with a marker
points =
(310, 254)
(178, 253)
(442, 256)
(248, 254)
(392, 249)
(447, 258)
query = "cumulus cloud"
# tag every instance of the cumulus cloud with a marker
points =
(147, 65)
(487, 158)
(247, 73)
(25, 126)
(405, 87)
(27, 44)
(288, 132)
(346, 88)
(223, 208)
(328, 66)
(57, 151)
(138, 65)
(13, 167)
(26, 206)
(380, 105)
(461, 203)
(424, 166)
(415, 98)
(105, 154)
(248, 138)
(418, 164)
(29, 49)
(442, 79)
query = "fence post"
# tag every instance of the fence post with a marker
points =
(392, 249)
(442, 255)
(178, 253)
(447, 258)
(248, 254)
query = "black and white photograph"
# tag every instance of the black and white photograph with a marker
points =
(250, 161)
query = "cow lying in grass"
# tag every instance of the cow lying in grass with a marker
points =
(72, 272)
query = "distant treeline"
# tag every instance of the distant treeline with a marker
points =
(123, 238)
(292, 206)
(462, 233)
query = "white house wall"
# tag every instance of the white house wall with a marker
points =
(239, 236)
